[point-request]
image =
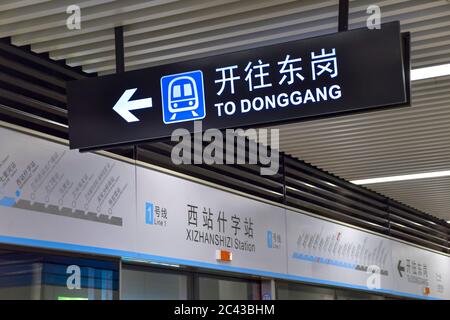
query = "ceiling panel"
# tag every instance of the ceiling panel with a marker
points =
(429, 195)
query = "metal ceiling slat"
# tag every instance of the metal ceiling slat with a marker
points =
(425, 82)
(433, 199)
(326, 26)
(214, 47)
(419, 154)
(295, 189)
(428, 26)
(437, 209)
(168, 26)
(429, 38)
(425, 190)
(42, 13)
(414, 9)
(183, 25)
(438, 59)
(74, 41)
(35, 59)
(419, 192)
(369, 130)
(32, 72)
(364, 119)
(298, 175)
(375, 140)
(14, 4)
(438, 39)
(388, 170)
(429, 197)
(265, 22)
(354, 169)
(353, 136)
(435, 195)
(441, 90)
(431, 181)
(317, 27)
(33, 87)
(432, 137)
(336, 163)
(437, 214)
(54, 17)
(33, 118)
(385, 165)
(430, 55)
(382, 167)
(108, 22)
(39, 105)
(209, 34)
(375, 172)
(436, 86)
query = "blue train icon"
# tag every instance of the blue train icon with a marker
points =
(183, 97)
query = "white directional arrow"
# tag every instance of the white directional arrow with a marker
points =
(123, 106)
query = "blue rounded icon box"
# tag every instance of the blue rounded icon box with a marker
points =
(183, 97)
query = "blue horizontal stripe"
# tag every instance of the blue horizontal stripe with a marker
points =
(337, 263)
(7, 201)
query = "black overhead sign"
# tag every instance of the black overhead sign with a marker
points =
(323, 76)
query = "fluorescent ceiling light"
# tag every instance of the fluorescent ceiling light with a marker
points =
(436, 174)
(430, 72)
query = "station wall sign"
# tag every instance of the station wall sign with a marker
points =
(339, 73)
(56, 198)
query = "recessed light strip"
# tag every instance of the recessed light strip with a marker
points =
(430, 72)
(436, 174)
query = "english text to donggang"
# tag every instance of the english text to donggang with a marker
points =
(290, 76)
